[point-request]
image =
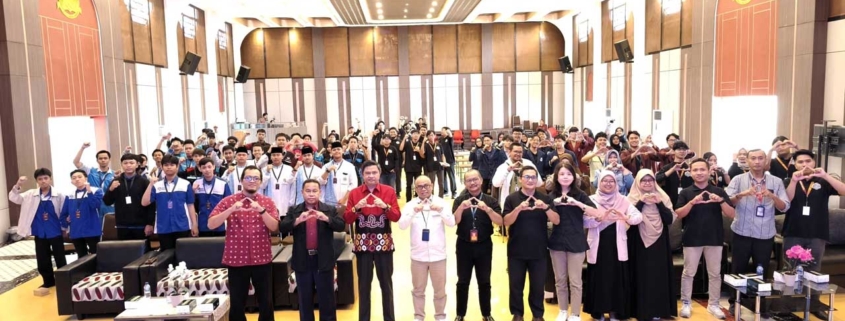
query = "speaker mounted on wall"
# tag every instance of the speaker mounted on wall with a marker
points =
(623, 51)
(243, 74)
(189, 64)
(565, 65)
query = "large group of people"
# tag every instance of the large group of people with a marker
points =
(604, 198)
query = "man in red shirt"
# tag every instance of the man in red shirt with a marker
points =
(639, 155)
(371, 207)
(576, 143)
(250, 218)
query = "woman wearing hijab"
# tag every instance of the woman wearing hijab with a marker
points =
(568, 242)
(650, 252)
(718, 176)
(740, 164)
(612, 164)
(616, 143)
(609, 281)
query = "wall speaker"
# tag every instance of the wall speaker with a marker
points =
(623, 51)
(190, 63)
(565, 65)
(243, 74)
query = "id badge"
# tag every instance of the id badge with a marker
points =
(334, 180)
(415, 157)
(208, 205)
(170, 205)
(680, 189)
(78, 214)
(240, 187)
(277, 186)
(128, 200)
(761, 211)
(473, 235)
(805, 211)
(425, 235)
(435, 158)
(47, 218)
(387, 163)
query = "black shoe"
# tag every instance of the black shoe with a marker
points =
(459, 318)
(487, 318)
(517, 318)
(821, 314)
(538, 319)
(732, 308)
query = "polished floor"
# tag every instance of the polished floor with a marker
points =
(20, 305)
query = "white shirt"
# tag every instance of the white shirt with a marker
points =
(347, 178)
(434, 249)
(502, 179)
(29, 202)
(284, 195)
(312, 172)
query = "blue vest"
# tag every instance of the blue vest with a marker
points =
(172, 201)
(80, 213)
(46, 224)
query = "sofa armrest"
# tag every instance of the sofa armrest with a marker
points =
(69, 275)
(346, 276)
(281, 270)
(157, 270)
(132, 285)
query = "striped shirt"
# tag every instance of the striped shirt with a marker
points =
(746, 222)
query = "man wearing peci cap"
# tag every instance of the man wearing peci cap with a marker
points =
(278, 181)
(340, 173)
(236, 169)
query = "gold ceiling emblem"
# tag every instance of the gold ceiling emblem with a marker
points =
(69, 8)
(742, 2)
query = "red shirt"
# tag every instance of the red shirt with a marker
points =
(384, 192)
(372, 224)
(247, 237)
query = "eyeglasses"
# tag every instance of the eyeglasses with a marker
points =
(529, 177)
(647, 180)
(252, 179)
(474, 179)
(425, 186)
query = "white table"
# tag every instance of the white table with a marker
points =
(160, 309)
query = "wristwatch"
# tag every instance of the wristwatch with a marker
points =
(387, 208)
(263, 211)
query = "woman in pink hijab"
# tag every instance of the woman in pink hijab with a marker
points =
(650, 254)
(608, 287)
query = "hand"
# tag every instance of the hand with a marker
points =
(698, 199)
(436, 208)
(419, 207)
(148, 230)
(716, 198)
(777, 145)
(215, 128)
(802, 174)
(538, 204)
(181, 160)
(153, 178)
(230, 169)
(379, 203)
(87, 187)
(86, 145)
(298, 164)
(361, 204)
(553, 159)
(128, 149)
(819, 172)
(247, 134)
(524, 206)
(195, 231)
(21, 180)
(238, 205)
(256, 207)
(114, 184)
(482, 206)
(321, 216)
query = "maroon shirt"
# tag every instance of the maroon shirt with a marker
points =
(311, 234)
(247, 237)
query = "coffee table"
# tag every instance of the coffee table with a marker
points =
(783, 298)
(159, 309)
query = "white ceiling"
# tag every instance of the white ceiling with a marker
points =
(306, 11)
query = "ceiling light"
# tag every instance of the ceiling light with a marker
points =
(406, 10)
(404, 16)
(430, 9)
(380, 11)
(378, 4)
(428, 16)
(434, 3)
(380, 17)
(406, 4)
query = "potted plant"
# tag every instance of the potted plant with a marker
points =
(796, 256)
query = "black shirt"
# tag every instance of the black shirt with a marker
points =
(569, 235)
(781, 169)
(703, 224)
(130, 215)
(671, 182)
(718, 179)
(413, 161)
(448, 152)
(735, 170)
(815, 225)
(433, 157)
(529, 233)
(481, 222)
(388, 158)
(395, 142)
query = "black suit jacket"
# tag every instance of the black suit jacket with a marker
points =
(325, 235)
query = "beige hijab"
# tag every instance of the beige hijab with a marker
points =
(652, 225)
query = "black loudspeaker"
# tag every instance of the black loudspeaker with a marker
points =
(190, 63)
(243, 74)
(623, 51)
(565, 65)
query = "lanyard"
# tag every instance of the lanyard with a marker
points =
(756, 184)
(274, 173)
(308, 176)
(680, 172)
(170, 192)
(425, 219)
(807, 191)
(338, 164)
(238, 179)
(75, 209)
(102, 176)
(785, 167)
(207, 191)
(129, 181)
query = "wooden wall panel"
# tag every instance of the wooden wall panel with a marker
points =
(126, 32)
(653, 26)
(252, 53)
(419, 50)
(686, 22)
(361, 52)
(445, 47)
(528, 46)
(746, 49)
(143, 44)
(386, 51)
(301, 53)
(552, 47)
(671, 31)
(837, 8)
(336, 44)
(607, 53)
(180, 42)
(504, 47)
(201, 43)
(157, 28)
(231, 50)
(629, 30)
(277, 50)
(469, 48)
(618, 35)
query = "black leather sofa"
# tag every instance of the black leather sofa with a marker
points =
(833, 261)
(282, 271)
(99, 283)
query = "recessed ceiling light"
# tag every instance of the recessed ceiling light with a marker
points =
(404, 16)
(380, 17)
(406, 4)
(428, 16)
(434, 3)
(380, 11)
(378, 4)
(430, 9)
(406, 10)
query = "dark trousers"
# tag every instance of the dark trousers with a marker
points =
(449, 184)
(212, 233)
(436, 178)
(388, 179)
(168, 240)
(85, 245)
(398, 182)
(536, 279)
(125, 233)
(47, 250)
(743, 248)
(485, 186)
(324, 282)
(239, 278)
(480, 256)
(409, 185)
(383, 262)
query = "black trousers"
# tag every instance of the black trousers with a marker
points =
(306, 281)
(480, 256)
(743, 248)
(436, 178)
(383, 262)
(449, 183)
(125, 233)
(47, 250)
(85, 245)
(168, 240)
(239, 278)
(536, 279)
(398, 183)
(485, 186)
(409, 184)
(212, 233)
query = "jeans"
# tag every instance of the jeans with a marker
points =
(388, 179)
(449, 185)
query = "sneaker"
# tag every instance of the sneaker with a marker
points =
(562, 316)
(574, 318)
(716, 311)
(686, 310)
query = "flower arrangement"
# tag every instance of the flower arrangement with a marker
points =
(797, 255)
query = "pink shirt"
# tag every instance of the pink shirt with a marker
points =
(247, 237)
